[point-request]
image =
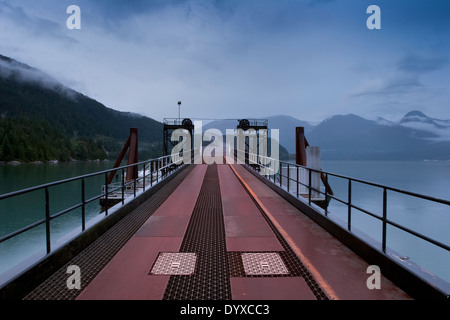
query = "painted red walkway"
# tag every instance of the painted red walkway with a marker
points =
(340, 273)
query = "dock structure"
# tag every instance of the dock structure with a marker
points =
(217, 232)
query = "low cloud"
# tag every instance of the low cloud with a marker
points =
(395, 85)
(36, 25)
(419, 65)
(442, 133)
(405, 78)
(26, 74)
(223, 58)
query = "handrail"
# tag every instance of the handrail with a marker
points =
(262, 161)
(161, 167)
(374, 184)
(59, 182)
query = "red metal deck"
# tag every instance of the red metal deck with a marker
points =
(339, 272)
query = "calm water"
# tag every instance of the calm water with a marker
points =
(431, 219)
(23, 210)
(429, 178)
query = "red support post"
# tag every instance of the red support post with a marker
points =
(132, 144)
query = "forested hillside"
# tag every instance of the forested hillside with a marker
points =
(42, 120)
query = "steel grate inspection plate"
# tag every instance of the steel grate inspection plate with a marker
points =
(263, 263)
(174, 263)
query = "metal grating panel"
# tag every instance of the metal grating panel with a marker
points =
(174, 263)
(205, 236)
(97, 255)
(292, 261)
(265, 263)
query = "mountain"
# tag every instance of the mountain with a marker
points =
(417, 116)
(419, 121)
(40, 119)
(352, 137)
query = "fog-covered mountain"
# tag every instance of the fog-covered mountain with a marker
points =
(415, 137)
(419, 121)
(352, 137)
(40, 119)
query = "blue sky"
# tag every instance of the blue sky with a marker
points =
(309, 59)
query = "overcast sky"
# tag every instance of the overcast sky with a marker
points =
(309, 59)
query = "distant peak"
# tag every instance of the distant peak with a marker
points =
(2, 57)
(415, 113)
(346, 117)
(416, 116)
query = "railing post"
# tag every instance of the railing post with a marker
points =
(143, 188)
(297, 183)
(165, 167)
(47, 220)
(349, 205)
(281, 174)
(383, 243)
(123, 186)
(275, 174)
(152, 169)
(309, 186)
(106, 194)
(326, 194)
(134, 187)
(83, 207)
(157, 171)
(288, 178)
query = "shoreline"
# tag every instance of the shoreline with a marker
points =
(17, 163)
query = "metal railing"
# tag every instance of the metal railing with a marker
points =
(151, 172)
(258, 122)
(178, 122)
(289, 175)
